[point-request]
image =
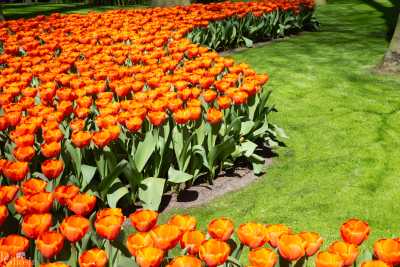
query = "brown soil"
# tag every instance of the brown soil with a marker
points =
(203, 193)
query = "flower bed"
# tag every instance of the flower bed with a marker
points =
(99, 242)
(111, 110)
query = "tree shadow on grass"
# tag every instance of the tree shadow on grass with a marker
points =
(389, 14)
(29, 11)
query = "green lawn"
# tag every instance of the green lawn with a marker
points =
(342, 159)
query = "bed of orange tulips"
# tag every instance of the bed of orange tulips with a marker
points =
(123, 106)
(110, 239)
(113, 109)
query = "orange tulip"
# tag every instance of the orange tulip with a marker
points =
(209, 96)
(81, 139)
(50, 244)
(354, 231)
(40, 202)
(138, 241)
(33, 186)
(240, 97)
(109, 212)
(54, 264)
(35, 224)
(374, 263)
(51, 150)
(185, 261)
(94, 257)
(14, 244)
(224, 102)
(143, 220)
(149, 257)
(262, 257)
(214, 116)
(348, 252)
(18, 262)
(4, 257)
(157, 117)
(7, 193)
(134, 124)
(52, 168)
(313, 242)
(328, 259)
(191, 241)
(221, 229)
(25, 153)
(74, 227)
(214, 252)
(274, 231)
(82, 204)
(165, 236)
(291, 247)
(387, 250)
(3, 214)
(184, 222)
(21, 205)
(102, 138)
(109, 227)
(182, 116)
(63, 193)
(252, 235)
(15, 171)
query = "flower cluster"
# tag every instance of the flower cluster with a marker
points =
(150, 242)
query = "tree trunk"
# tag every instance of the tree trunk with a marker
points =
(391, 61)
(170, 2)
(320, 2)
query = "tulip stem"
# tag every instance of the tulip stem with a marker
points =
(74, 255)
(110, 255)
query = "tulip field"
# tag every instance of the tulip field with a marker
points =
(104, 114)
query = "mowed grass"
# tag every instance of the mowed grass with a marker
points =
(342, 159)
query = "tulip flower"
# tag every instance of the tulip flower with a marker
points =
(50, 244)
(387, 250)
(14, 244)
(165, 236)
(54, 264)
(15, 171)
(184, 222)
(252, 235)
(33, 186)
(3, 214)
(52, 168)
(185, 261)
(138, 241)
(64, 193)
(214, 116)
(354, 231)
(374, 263)
(81, 138)
(82, 204)
(7, 193)
(18, 261)
(291, 247)
(94, 257)
(143, 220)
(35, 224)
(191, 241)
(328, 259)
(149, 257)
(348, 252)
(274, 231)
(214, 252)
(262, 257)
(313, 242)
(221, 229)
(40, 202)
(109, 226)
(74, 227)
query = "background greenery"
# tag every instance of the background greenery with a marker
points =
(342, 159)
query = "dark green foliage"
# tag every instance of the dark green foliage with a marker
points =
(237, 32)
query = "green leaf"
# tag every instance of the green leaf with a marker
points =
(151, 191)
(248, 148)
(178, 177)
(107, 181)
(221, 151)
(144, 151)
(247, 41)
(76, 157)
(247, 126)
(199, 150)
(124, 261)
(88, 173)
(114, 197)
